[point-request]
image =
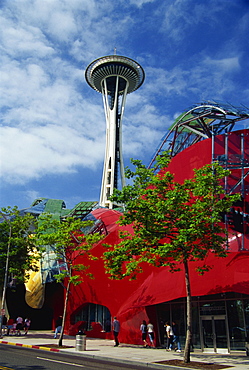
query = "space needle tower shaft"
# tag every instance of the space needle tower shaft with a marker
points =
(114, 77)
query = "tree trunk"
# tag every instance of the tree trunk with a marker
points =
(64, 314)
(3, 304)
(186, 356)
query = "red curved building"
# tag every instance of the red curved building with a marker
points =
(204, 134)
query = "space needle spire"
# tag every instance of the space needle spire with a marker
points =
(114, 76)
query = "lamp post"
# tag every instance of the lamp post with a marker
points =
(6, 273)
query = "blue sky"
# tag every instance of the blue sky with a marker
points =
(52, 122)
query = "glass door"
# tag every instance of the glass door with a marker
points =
(214, 334)
(207, 334)
(221, 334)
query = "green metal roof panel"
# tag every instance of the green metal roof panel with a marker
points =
(82, 209)
(54, 206)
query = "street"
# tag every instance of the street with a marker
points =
(14, 358)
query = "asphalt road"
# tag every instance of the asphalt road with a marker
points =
(14, 358)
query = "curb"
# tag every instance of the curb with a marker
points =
(30, 346)
(147, 365)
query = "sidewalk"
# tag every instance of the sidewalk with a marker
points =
(103, 348)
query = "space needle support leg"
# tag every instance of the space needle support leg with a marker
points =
(107, 169)
(113, 152)
(122, 173)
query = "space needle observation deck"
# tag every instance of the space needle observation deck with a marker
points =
(114, 76)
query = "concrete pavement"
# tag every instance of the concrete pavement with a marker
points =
(104, 349)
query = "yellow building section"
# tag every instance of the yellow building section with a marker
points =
(48, 265)
(35, 290)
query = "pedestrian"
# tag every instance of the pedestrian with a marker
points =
(144, 330)
(4, 324)
(27, 323)
(176, 338)
(116, 330)
(151, 335)
(170, 336)
(58, 326)
(10, 324)
(19, 325)
(13, 329)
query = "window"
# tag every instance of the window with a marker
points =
(94, 313)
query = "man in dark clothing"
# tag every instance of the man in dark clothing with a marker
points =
(116, 329)
(4, 324)
(176, 338)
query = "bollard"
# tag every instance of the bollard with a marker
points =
(80, 344)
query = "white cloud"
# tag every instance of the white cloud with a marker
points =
(224, 64)
(166, 81)
(19, 39)
(31, 195)
(182, 16)
(42, 150)
(140, 3)
(206, 76)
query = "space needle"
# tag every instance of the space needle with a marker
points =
(114, 76)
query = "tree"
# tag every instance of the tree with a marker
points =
(16, 230)
(18, 253)
(68, 242)
(173, 223)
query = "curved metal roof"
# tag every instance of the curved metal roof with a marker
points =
(200, 122)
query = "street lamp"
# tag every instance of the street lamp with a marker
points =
(5, 274)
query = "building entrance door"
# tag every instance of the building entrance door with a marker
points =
(214, 334)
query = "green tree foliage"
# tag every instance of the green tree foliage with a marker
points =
(173, 223)
(69, 243)
(16, 232)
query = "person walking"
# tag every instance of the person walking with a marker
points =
(144, 330)
(27, 323)
(116, 329)
(10, 324)
(176, 338)
(151, 335)
(4, 324)
(170, 336)
(19, 325)
(58, 326)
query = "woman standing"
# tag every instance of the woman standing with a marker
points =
(150, 328)
(170, 336)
